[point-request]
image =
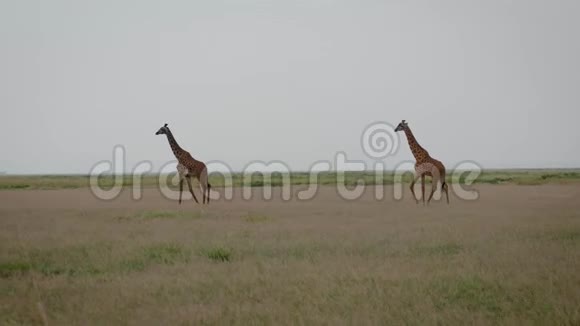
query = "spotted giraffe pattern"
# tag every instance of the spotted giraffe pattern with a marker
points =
(187, 167)
(425, 165)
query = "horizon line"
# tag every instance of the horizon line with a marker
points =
(4, 173)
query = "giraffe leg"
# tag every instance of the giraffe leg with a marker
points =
(423, 188)
(444, 187)
(208, 191)
(433, 188)
(202, 189)
(191, 189)
(413, 189)
(180, 189)
(182, 172)
(205, 194)
(203, 185)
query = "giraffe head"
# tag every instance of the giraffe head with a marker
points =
(163, 130)
(402, 126)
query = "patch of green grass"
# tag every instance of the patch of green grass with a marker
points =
(51, 268)
(135, 264)
(446, 249)
(251, 218)
(13, 268)
(529, 182)
(92, 260)
(471, 293)
(218, 254)
(166, 254)
(71, 261)
(158, 254)
(567, 235)
(563, 175)
(257, 183)
(14, 186)
(491, 298)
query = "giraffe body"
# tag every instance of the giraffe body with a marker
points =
(187, 167)
(425, 166)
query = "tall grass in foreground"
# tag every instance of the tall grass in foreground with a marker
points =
(510, 258)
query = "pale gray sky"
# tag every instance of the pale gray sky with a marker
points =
(496, 81)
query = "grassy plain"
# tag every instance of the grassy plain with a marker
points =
(510, 257)
(518, 177)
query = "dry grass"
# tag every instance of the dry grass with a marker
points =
(510, 258)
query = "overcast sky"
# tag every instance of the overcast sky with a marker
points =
(496, 81)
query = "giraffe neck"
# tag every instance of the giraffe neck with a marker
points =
(418, 152)
(173, 144)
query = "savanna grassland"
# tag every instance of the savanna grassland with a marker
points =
(510, 257)
(517, 177)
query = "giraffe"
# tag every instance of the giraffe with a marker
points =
(425, 166)
(187, 167)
